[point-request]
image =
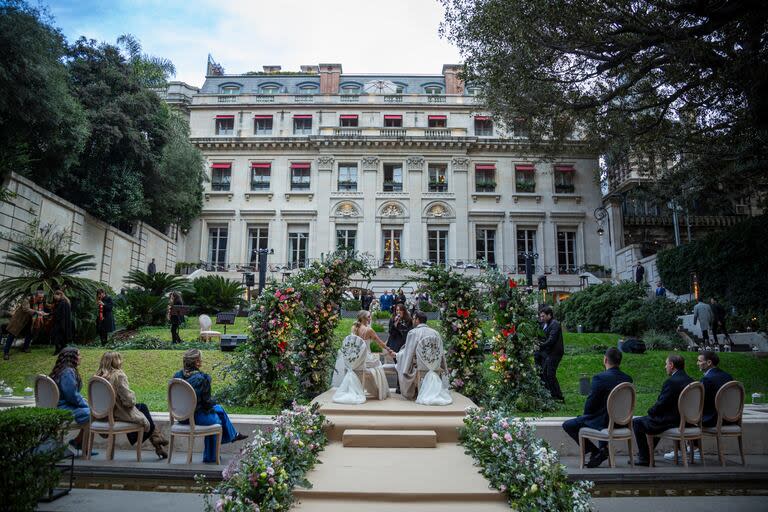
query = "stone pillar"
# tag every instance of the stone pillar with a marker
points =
(460, 179)
(325, 234)
(416, 226)
(370, 229)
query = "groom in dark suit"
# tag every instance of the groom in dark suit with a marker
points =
(596, 407)
(664, 413)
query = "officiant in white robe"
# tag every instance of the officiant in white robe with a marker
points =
(406, 359)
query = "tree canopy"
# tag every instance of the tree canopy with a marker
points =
(684, 84)
(85, 121)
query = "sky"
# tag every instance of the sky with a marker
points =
(365, 36)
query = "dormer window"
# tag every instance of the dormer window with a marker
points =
(473, 91)
(229, 89)
(350, 89)
(308, 89)
(433, 89)
(399, 88)
(269, 89)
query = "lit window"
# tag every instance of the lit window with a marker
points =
(438, 181)
(391, 246)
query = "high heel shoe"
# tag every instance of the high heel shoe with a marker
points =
(161, 453)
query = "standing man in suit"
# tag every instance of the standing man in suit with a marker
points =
(718, 322)
(714, 378)
(702, 314)
(105, 320)
(639, 273)
(596, 407)
(152, 268)
(550, 352)
(664, 413)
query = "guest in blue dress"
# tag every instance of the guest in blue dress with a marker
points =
(208, 412)
(67, 377)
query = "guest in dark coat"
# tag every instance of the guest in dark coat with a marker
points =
(399, 326)
(664, 414)
(366, 300)
(719, 322)
(595, 409)
(714, 378)
(176, 318)
(208, 412)
(550, 352)
(105, 320)
(63, 328)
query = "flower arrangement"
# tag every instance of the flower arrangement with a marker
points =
(262, 477)
(517, 462)
(460, 301)
(516, 382)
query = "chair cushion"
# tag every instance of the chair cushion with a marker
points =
(210, 333)
(178, 428)
(603, 434)
(725, 429)
(675, 432)
(118, 426)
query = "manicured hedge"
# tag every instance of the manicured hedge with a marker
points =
(26, 473)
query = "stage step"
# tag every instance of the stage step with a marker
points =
(360, 438)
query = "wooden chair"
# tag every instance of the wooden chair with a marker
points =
(691, 407)
(621, 407)
(729, 403)
(101, 398)
(182, 402)
(47, 396)
(206, 334)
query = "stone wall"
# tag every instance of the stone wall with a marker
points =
(115, 252)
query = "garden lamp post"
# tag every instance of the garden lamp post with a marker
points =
(529, 257)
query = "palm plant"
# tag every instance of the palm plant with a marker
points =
(137, 308)
(212, 294)
(48, 269)
(156, 284)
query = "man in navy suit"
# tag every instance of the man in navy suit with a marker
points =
(595, 409)
(664, 413)
(550, 351)
(714, 378)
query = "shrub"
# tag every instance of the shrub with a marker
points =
(136, 308)
(377, 327)
(595, 306)
(158, 283)
(637, 316)
(149, 342)
(351, 305)
(26, 473)
(656, 340)
(382, 315)
(213, 294)
(427, 307)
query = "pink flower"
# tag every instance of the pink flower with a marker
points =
(508, 437)
(495, 435)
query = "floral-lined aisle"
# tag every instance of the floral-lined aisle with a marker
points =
(460, 302)
(268, 468)
(515, 339)
(312, 353)
(516, 461)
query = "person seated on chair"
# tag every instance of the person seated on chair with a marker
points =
(208, 412)
(67, 377)
(407, 368)
(714, 378)
(362, 327)
(126, 408)
(596, 407)
(664, 414)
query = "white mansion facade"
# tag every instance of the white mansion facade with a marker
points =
(406, 168)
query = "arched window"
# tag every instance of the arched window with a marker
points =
(229, 89)
(350, 89)
(269, 89)
(308, 89)
(433, 89)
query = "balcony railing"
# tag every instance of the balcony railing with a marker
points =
(288, 99)
(438, 187)
(220, 186)
(228, 99)
(347, 186)
(435, 99)
(485, 186)
(393, 98)
(347, 132)
(392, 132)
(304, 98)
(349, 98)
(393, 186)
(525, 186)
(300, 185)
(264, 98)
(565, 189)
(437, 133)
(259, 185)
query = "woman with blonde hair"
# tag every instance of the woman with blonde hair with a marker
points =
(126, 408)
(208, 412)
(362, 328)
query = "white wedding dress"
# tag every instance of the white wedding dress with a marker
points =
(355, 356)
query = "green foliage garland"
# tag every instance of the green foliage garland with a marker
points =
(516, 335)
(460, 302)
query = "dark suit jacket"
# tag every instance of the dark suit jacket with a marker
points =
(108, 324)
(713, 381)
(553, 341)
(664, 411)
(595, 409)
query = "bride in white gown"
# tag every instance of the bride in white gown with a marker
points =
(362, 329)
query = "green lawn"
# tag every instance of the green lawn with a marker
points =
(190, 330)
(149, 370)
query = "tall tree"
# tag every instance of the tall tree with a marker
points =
(152, 72)
(682, 83)
(42, 126)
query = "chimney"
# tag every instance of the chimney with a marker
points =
(330, 76)
(272, 69)
(453, 84)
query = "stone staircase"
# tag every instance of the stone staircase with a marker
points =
(422, 466)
